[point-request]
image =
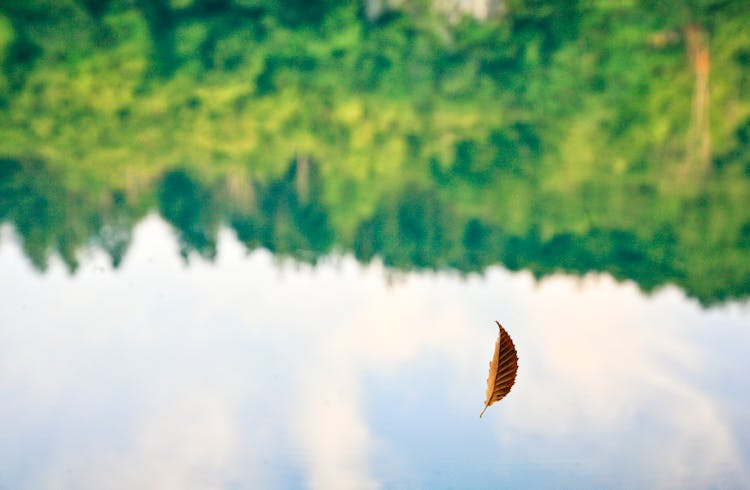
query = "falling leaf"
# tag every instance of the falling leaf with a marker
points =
(503, 368)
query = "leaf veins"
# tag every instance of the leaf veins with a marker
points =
(503, 369)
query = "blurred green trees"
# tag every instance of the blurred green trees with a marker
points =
(558, 136)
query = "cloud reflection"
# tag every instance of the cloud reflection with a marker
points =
(244, 374)
(602, 362)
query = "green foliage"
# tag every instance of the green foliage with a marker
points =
(559, 136)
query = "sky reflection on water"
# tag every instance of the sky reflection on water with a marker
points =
(247, 374)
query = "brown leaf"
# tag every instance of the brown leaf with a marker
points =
(503, 368)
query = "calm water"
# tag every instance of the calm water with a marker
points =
(247, 373)
(263, 244)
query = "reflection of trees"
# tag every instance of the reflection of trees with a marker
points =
(36, 207)
(544, 140)
(51, 219)
(699, 135)
(192, 210)
(414, 228)
(115, 229)
(287, 221)
(420, 231)
(408, 232)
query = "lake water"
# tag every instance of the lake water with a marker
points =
(255, 373)
(250, 244)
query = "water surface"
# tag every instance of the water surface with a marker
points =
(249, 373)
(263, 243)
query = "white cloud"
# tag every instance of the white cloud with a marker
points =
(241, 371)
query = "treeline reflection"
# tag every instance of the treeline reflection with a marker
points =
(572, 138)
(417, 227)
